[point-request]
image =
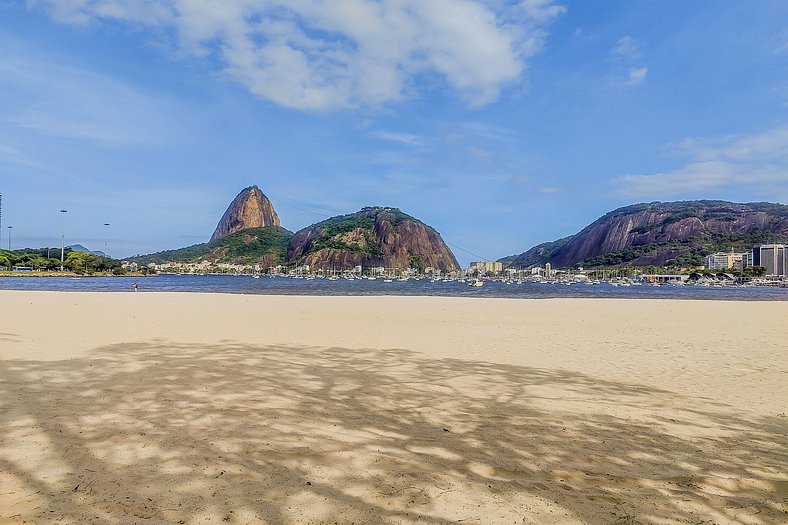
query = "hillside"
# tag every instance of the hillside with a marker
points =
(264, 246)
(374, 236)
(662, 233)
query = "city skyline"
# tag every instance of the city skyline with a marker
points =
(503, 125)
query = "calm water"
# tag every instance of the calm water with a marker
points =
(285, 286)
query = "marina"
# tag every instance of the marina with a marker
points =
(368, 286)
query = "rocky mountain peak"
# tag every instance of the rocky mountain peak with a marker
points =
(250, 209)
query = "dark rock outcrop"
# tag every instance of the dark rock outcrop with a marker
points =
(662, 232)
(250, 209)
(375, 236)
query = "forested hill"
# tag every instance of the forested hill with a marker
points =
(265, 246)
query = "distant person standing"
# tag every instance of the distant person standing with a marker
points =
(136, 288)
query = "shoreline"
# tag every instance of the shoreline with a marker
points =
(206, 407)
(4, 273)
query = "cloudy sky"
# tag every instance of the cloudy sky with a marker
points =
(502, 123)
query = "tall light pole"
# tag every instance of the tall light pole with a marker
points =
(106, 239)
(62, 242)
(9, 237)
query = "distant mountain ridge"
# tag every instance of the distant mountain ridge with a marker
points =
(662, 233)
(80, 248)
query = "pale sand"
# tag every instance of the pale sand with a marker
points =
(191, 408)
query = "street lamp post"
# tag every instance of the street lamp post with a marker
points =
(9, 237)
(106, 240)
(62, 243)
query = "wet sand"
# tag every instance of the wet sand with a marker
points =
(209, 408)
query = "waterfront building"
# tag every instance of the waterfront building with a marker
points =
(746, 260)
(774, 257)
(722, 260)
(665, 278)
(484, 267)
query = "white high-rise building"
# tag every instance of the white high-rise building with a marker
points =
(483, 267)
(724, 260)
(746, 259)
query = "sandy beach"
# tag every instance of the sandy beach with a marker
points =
(207, 408)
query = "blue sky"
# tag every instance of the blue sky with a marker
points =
(501, 123)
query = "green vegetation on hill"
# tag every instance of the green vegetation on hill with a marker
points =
(695, 249)
(337, 231)
(712, 209)
(395, 216)
(538, 255)
(336, 234)
(243, 247)
(346, 224)
(364, 219)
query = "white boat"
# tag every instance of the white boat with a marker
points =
(476, 283)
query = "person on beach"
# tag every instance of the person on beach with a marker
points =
(136, 288)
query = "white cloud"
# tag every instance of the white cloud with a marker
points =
(637, 75)
(83, 12)
(13, 155)
(626, 53)
(402, 138)
(480, 152)
(65, 101)
(771, 145)
(781, 44)
(693, 177)
(757, 163)
(627, 48)
(317, 55)
(701, 177)
(480, 132)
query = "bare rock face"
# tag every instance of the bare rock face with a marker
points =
(375, 236)
(657, 232)
(250, 209)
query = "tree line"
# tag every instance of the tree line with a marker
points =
(41, 259)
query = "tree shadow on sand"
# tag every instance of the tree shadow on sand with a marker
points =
(162, 432)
